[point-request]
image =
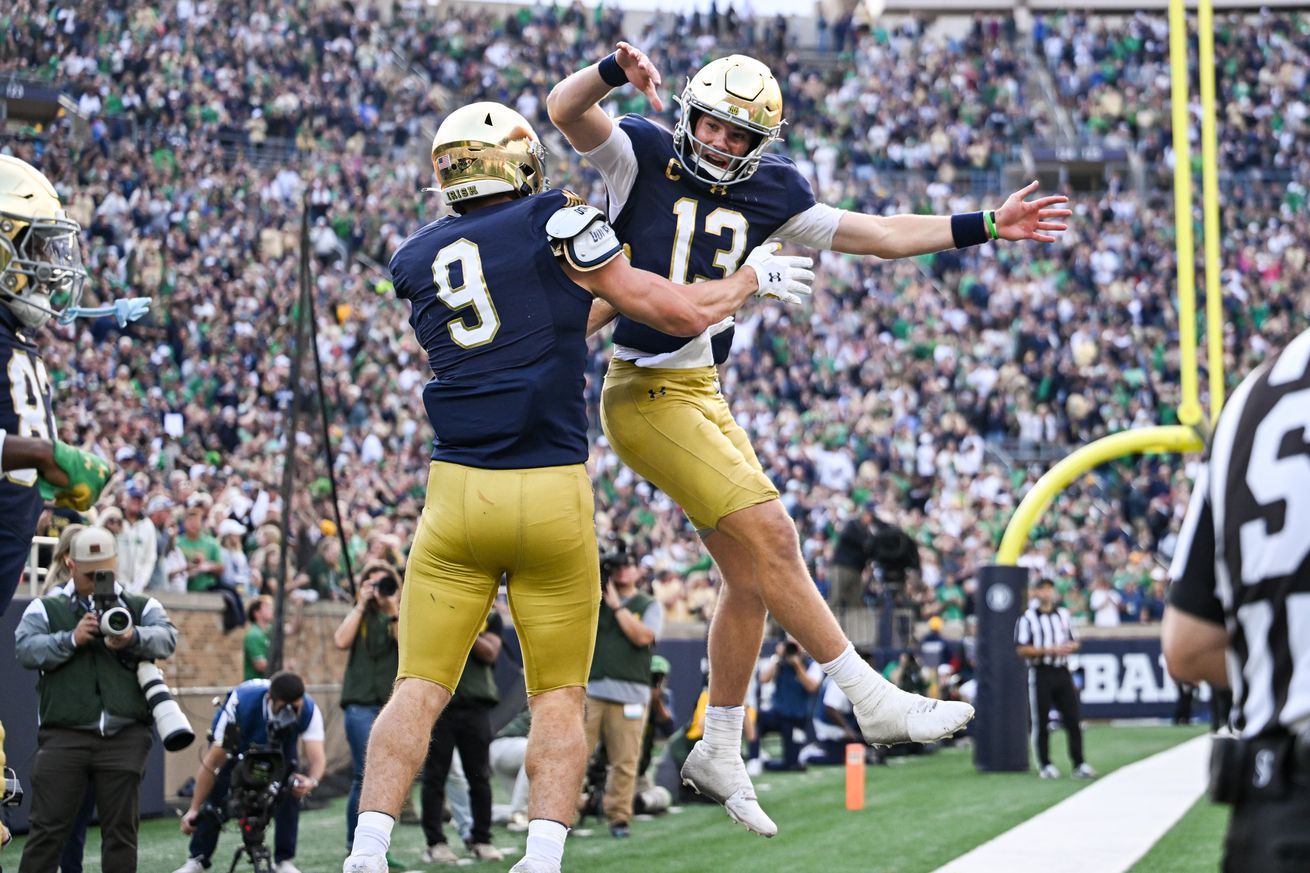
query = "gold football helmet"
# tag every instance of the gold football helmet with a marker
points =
(487, 148)
(738, 90)
(41, 272)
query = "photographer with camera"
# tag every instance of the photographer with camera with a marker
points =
(250, 772)
(796, 678)
(618, 689)
(369, 632)
(92, 642)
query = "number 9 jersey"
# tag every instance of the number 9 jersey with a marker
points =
(25, 410)
(505, 332)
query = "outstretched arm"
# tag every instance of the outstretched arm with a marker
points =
(903, 236)
(573, 104)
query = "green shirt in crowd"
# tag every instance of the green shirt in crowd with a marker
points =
(256, 649)
(209, 551)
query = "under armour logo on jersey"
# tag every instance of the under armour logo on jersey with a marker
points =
(721, 190)
(775, 278)
(1264, 769)
(653, 394)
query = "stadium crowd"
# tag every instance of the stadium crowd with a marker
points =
(920, 387)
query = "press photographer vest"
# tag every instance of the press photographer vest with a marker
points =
(93, 681)
(616, 657)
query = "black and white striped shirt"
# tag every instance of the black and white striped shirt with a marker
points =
(1044, 630)
(1243, 556)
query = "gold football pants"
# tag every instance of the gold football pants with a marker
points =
(532, 526)
(674, 428)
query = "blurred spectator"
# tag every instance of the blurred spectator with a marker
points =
(834, 726)
(796, 679)
(850, 558)
(204, 556)
(159, 511)
(137, 543)
(618, 690)
(260, 614)
(1105, 603)
(236, 566)
(369, 632)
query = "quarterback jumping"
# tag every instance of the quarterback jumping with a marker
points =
(501, 295)
(690, 203)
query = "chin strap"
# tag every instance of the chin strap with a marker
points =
(124, 310)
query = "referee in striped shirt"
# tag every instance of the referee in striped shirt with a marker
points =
(1239, 610)
(1043, 637)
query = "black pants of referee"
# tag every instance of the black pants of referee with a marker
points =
(1269, 835)
(67, 761)
(1053, 687)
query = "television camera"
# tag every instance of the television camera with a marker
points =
(260, 778)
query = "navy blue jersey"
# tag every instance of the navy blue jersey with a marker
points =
(679, 227)
(24, 411)
(505, 332)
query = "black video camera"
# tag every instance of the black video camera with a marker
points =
(115, 620)
(259, 777)
(613, 560)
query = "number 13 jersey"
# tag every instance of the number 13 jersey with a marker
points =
(679, 227)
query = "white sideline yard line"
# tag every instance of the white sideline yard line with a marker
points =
(1106, 827)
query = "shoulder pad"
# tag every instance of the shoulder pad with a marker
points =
(582, 236)
(571, 199)
(570, 221)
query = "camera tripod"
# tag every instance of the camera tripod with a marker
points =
(261, 859)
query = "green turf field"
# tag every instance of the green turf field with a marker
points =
(921, 813)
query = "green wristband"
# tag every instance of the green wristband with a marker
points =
(990, 217)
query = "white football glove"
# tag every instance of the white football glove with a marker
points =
(780, 277)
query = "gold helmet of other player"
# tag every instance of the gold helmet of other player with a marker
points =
(41, 272)
(487, 148)
(737, 90)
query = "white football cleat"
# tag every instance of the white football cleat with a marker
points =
(1050, 771)
(365, 864)
(1084, 771)
(527, 865)
(900, 717)
(193, 865)
(725, 781)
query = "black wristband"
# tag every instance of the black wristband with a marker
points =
(969, 229)
(610, 71)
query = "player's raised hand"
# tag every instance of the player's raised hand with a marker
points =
(780, 277)
(1031, 219)
(641, 72)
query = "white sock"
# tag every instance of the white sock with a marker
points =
(854, 676)
(372, 834)
(546, 841)
(723, 729)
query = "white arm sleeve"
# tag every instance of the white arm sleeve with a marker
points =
(2, 449)
(815, 227)
(617, 163)
(315, 729)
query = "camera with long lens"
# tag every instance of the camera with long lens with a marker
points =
(170, 721)
(115, 620)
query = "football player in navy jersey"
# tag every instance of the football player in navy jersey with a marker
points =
(500, 297)
(41, 275)
(690, 202)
